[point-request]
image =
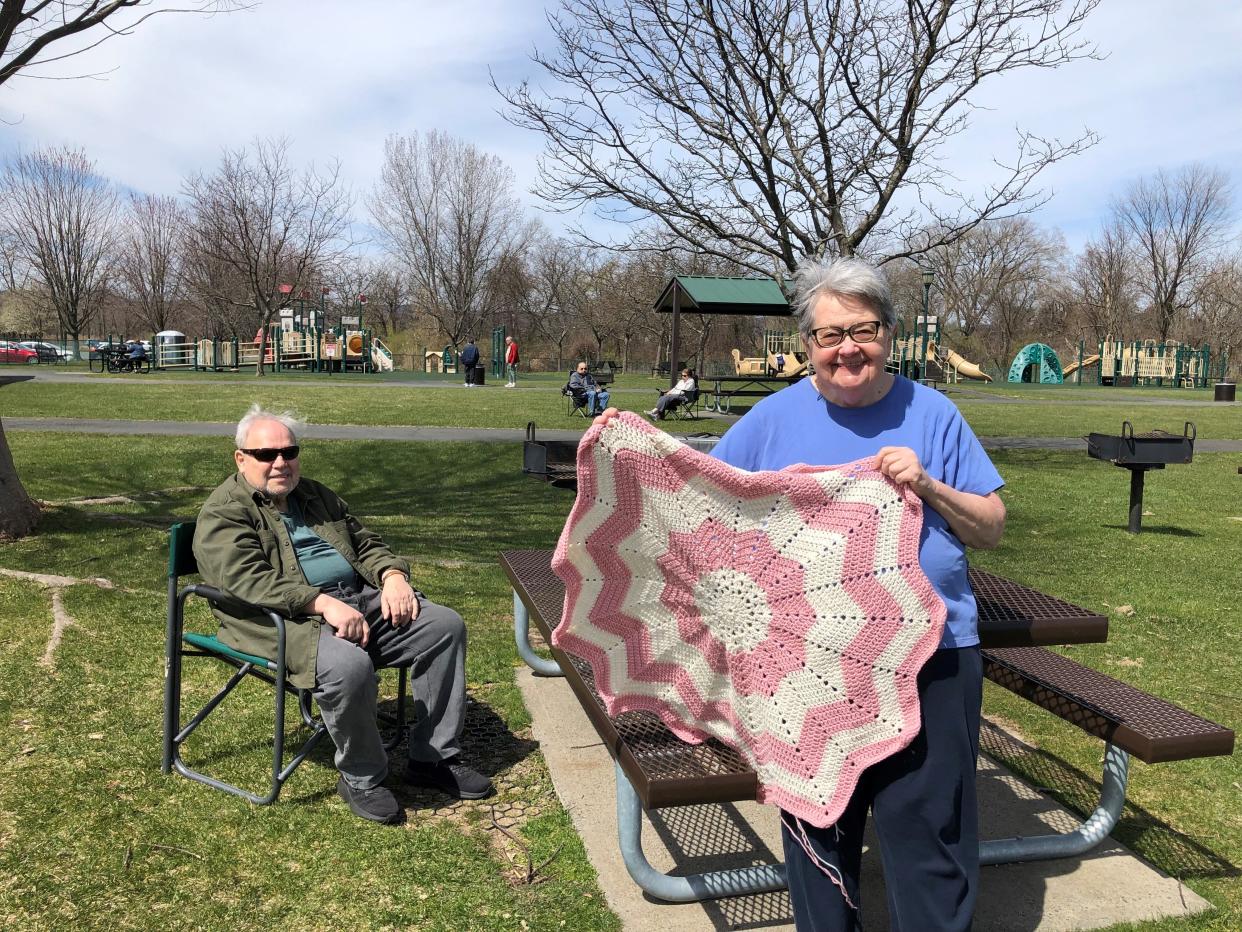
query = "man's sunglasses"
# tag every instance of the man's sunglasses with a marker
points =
(269, 454)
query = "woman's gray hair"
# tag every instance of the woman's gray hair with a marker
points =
(257, 412)
(843, 278)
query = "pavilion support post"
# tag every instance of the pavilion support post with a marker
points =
(675, 349)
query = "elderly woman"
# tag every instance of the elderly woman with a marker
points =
(923, 798)
(675, 396)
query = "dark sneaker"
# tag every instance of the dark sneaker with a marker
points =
(451, 776)
(376, 804)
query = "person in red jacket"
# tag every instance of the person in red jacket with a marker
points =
(511, 362)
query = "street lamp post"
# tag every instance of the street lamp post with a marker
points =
(929, 276)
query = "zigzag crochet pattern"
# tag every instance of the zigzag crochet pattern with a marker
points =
(784, 613)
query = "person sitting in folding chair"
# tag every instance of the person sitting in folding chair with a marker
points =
(581, 382)
(291, 545)
(683, 392)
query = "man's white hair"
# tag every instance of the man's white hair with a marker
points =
(257, 412)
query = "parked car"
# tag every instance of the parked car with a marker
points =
(47, 352)
(17, 355)
(95, 347)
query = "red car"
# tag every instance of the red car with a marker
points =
(12, 353)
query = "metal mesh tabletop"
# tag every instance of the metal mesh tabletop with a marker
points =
(664, 770)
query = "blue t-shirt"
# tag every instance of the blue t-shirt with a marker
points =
(798, 425)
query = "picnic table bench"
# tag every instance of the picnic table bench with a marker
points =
(727, 387)
(655, 769)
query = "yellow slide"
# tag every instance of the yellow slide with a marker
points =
(966, 368)
(1086, 361)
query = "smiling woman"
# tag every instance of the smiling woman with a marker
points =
(852, 409)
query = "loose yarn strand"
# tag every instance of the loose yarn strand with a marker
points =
(831, 871)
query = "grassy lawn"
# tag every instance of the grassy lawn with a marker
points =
(92, 835)
(440, 401)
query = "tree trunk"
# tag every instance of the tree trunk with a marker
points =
(18, 513)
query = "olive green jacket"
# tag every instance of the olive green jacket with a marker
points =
(242, 546)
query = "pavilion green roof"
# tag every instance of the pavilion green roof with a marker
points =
(703, 294)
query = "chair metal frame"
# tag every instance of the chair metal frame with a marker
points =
(180, 644)
(575, 404)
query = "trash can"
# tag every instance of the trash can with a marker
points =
(1226, 391)
(478, 374)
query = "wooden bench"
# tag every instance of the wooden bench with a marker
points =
(656, 769)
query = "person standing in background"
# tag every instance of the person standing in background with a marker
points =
(511, 362)
(470, 359)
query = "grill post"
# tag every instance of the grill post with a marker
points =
(1136, 499)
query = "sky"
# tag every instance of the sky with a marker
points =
(337, 78)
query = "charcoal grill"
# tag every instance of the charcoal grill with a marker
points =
(554, 461)
(1140, 453)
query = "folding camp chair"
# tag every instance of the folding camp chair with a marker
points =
(575, 402)
(181, 643)
(685, 410)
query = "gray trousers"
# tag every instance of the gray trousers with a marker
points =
(347, 685)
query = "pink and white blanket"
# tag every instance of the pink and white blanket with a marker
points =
(784, 613)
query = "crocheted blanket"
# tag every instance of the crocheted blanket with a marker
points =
(784, 613)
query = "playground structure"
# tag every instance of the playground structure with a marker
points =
(309, 348)
(1036, 362)
(1146, 362)
(939, 363)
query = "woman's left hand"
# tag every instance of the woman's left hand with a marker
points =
(901, 464)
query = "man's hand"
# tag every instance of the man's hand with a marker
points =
(901, 464)
(348, 621)
(398, 603)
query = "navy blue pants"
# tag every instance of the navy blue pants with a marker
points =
(926, 818)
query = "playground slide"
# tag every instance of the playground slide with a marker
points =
(967, 368)
(381, 359)
(1073, 367)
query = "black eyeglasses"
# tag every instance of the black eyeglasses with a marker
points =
(269, 454)
(828, 337)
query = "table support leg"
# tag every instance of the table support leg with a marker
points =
(521, 636)
(691, 888)
(1082, 839)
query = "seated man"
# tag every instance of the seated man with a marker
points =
(291, 545)
(583, 384)
(136, 351)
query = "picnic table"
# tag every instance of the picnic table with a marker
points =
(654, 768)
(727, 387)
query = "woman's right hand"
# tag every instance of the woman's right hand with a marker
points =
(601, 420)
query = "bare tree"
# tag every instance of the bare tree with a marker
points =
(43, 32)
(1216, 315)
(1177, 221)
(448, 213)
(994, 284)
(1104, 284)
(35, 33)
(152, 262)
(62, 216)
(273, 228)
(983, 277)
(779, 128)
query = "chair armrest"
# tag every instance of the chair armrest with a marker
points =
(227, 602)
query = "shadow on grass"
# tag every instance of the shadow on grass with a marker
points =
(1156, 842)
(1163, 530)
